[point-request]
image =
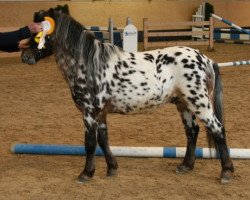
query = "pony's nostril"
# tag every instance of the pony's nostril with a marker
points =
(28, 59)
(25, 58)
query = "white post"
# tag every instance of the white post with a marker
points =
(130, 37)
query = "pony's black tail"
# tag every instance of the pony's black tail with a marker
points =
(218, 95)
(217, 102)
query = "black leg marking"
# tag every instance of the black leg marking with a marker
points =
(226, 162)
(192, 131)
(90, 147)
(103, 143)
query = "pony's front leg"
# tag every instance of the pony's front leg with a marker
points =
(90, 147)
(103, 143)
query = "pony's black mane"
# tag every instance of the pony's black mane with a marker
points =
(74, 37)
(69, 34)
(87, 52)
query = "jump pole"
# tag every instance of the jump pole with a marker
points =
(230, 24)
(235, 63)
(160, 152)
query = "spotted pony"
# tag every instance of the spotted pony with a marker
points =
(103, 78)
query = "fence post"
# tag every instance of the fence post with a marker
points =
(211, 33)
(111, 31)
(145, 34)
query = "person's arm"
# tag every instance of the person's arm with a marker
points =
(14, 37)
(9, 40)
(9, 48)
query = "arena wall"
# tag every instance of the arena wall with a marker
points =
(93, 12)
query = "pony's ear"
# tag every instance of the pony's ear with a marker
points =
(39, 16)
(65, 9)
(50, 12)
(62, 9)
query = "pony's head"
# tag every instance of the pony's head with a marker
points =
(33, 54)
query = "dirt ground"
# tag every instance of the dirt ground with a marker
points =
(36, 107)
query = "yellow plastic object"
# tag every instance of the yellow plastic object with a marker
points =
(38, 36)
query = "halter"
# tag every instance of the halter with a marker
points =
(48, 28)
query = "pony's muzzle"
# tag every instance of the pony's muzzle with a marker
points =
(28, 57)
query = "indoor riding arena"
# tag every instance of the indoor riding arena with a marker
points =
(37, 107)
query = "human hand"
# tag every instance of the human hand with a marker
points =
(23, 44)
(35, 27)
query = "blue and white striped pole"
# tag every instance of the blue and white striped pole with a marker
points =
(230, 24)
(162, 152)
(235, 63)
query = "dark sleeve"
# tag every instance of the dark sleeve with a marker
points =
(9, 40)
(9, 48)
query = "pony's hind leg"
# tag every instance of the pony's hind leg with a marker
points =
(215, 128)
(221, 146)
(102, 138)
(192, 131)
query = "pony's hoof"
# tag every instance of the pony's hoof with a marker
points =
(112, 173)
(226, 177)
(83, 179)
(182, 169)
